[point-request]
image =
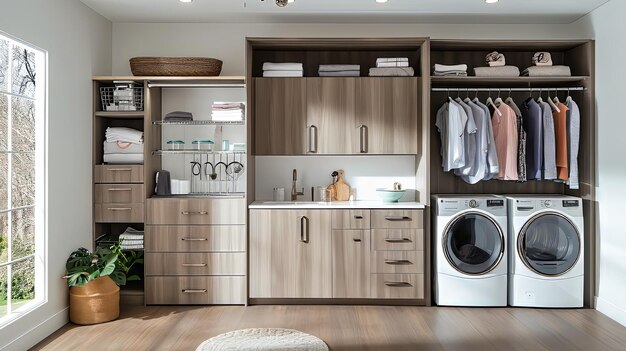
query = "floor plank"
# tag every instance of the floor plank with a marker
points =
(351, 328)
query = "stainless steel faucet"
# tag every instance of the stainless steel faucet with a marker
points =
(294, 192)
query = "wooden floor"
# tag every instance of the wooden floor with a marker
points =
(353, 328)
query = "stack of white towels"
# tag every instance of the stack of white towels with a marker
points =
(450, 70)
(227, 111)
(283, 69)
(339, 70)
(131, 239)
(123, 145)
(392, 66)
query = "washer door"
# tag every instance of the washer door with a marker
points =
(473, 243)
(549, 244)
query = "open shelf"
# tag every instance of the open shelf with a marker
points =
(120, 114)
(496, 82)
(198, 123)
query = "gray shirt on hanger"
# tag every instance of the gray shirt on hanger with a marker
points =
(492, 168)
(470, 140)
(573, 132)
(533, 124)
(549, 142)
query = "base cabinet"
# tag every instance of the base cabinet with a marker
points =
(351, 264)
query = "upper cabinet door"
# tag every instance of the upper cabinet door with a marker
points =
(387, 115)
(331, 125)
(280, 116)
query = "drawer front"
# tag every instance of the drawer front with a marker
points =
(398, 219)
(195, 290)
(397, 286)
(350, 219)
(397, 262)
(398, 239)
(196, 211)
(119, 193)
(219, 263)
(208, 238)
(118, 174)
(119, 213)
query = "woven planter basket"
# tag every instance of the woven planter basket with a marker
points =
(95, 302)
(175, 66)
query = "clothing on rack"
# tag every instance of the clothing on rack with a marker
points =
(495, 59)
(283, 69)
(573, 131)
(492, 168)
(547, 71)
(549, 142)
(469, 139)
(450, 70)
(533, 125)
(560, 128)
(521, 142)
(502, 71)
(451, 126)
(392, 72)
(542, 58)
(506, 138)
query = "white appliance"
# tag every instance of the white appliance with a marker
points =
(469, 236)
(546, 263)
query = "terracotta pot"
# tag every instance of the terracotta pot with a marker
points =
(95, 302)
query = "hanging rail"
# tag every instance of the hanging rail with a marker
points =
(509, 89)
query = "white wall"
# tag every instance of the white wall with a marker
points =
(607, 25)
(78, 42)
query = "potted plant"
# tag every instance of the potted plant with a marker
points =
(94, 280)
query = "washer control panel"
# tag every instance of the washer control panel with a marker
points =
(473, 203)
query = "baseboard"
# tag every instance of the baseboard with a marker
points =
(39, 332)
(610, 310)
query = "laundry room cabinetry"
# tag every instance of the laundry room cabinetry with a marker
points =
(351, 253)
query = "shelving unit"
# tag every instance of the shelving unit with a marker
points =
(195, 152)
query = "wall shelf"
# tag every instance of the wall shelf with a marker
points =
(120, 114)
(499, 82)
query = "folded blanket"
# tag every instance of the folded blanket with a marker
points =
(495, 59)
(123, 158)
(227, 118)
(227, 105)
(120, 147)
(392, 64)
(339, 68)
(547, 71)
(447, 68)
(392, 72)
(451, 73)
(178, 116)
(391, 59)
(283, 66)
(124, 134)
(283, 74)
(504, 71)
(340, 74)
(542, 58)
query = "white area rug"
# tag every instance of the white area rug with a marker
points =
(264, 339)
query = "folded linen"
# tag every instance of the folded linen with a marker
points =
(392, 72)
(542, 58)
(449, 68)
(178, 116)
(451, 73)
(124, 134)
(283, 74)
(495, 59)
(392, 64)
(227, 105)
(282, 66)
(547, 71)
(340, 74)
(120, 147)
(338, 68)
(131, 247)
(391, 59)
(131, 237)
(504, 71)
(123, 158)
(227, 118)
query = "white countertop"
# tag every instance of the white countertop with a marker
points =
(334, 205)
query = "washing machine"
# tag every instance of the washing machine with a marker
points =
(470, 251)
(546, 263)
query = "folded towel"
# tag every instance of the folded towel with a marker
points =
(447, 68)
(131, 237)
(227, 118)
(495, 59)
(339, 68)
(178, 116)
(131, 247)
(124, 134)
(542, 58)
(120, 147)
(283, 66)
(451, 73)
(504, 71)
(392, 64)
(391, 59)
(227, 105)
(283, 74)
(340, 74)
(392, 72)
(123, 158)
(547, 71)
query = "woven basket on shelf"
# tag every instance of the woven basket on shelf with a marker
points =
(175, 66)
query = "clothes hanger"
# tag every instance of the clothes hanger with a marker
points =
(467, 98)
(556, 97)
(490, 102)
(552, 103)
(509, 100)
(498, 101)
(539, 99)
(569, 97)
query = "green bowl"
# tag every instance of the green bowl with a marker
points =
(390, 195)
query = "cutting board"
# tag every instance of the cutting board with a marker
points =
(342, 188)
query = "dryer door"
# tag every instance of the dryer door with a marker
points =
(549, 244)
(473, 243)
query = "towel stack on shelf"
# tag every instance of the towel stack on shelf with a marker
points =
(450, 70)
(284, 69)
(496, 67)
(131, 239)
(543, 67)
(227, 111)
(339, 70)
(123, 145)
(392, 67)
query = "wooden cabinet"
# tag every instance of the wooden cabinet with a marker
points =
(290, 254)
(351, 263)
(280, 116)
(386, 114)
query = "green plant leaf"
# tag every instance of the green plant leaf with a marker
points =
(133, 277)
(118, 277)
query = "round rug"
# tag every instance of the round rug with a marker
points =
(264, 339)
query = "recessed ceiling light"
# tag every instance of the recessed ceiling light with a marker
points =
(381, 1)
(491, 1)
(185, 1)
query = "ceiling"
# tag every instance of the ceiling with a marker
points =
(346, 11)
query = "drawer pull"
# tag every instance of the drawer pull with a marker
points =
(119, 189)
(399, 240)
(194, 264)
(398, 262)
(399, 284)
(397, 218)
(194, 291)
(119, 209)
(188, 213)
(358, 217)
(356, 240)
(194, 239)
(119, 169)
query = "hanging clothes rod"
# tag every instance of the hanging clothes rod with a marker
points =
(509, 89)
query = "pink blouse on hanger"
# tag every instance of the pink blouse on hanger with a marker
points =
(505, 135)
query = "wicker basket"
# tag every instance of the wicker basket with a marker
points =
(175, 66)
(95, 302)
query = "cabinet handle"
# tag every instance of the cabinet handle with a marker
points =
(119, 189)
(356, 240)
(399, 240)
(313, 139)
(398, 284)
(304, 229)
(119, 209)
(358, 217)
(194, 264)
(194, 291)
(398, 262)
(363, 139)
(397, 218)
(194, 239)
(119, 169)
(188, 213)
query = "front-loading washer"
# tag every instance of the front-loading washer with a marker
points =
(546, 252)
(470, 251)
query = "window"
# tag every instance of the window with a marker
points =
(22, 177)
